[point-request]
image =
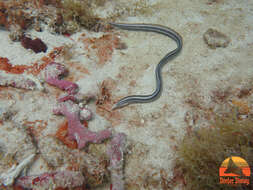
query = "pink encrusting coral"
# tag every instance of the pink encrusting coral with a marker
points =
(66, 97)
(77, 98)
(76, 131)
(51, 75)
(45, 181)
(115, 152)
(63, 84)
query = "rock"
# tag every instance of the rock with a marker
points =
(214, 39)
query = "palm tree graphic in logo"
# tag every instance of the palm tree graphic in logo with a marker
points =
(234, 166)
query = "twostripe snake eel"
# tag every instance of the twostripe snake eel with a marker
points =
(160, 30)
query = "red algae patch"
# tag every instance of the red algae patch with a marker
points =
(9, 68)
(3, 16)
(35, 69)
(103, 46)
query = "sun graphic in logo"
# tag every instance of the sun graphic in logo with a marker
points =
(234, 166)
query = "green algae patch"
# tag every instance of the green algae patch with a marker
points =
(202, 152)
(78, 13)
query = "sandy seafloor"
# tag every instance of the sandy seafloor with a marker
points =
(152, 129)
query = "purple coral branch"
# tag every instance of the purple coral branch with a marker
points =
(63, 179)
(68, 86)
(77, 98)
(115, 152)
(52, 73)
(67, 97)
(76, 131)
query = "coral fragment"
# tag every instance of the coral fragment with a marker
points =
(9, 177)
(115, 152)
(17, 81)
(51, 74)
(75, 129)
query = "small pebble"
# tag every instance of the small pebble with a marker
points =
(214, 39)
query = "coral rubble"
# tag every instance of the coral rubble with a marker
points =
(57, 155)
(9, 177)
(17, 151)
(17, 81)
(45, 181)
